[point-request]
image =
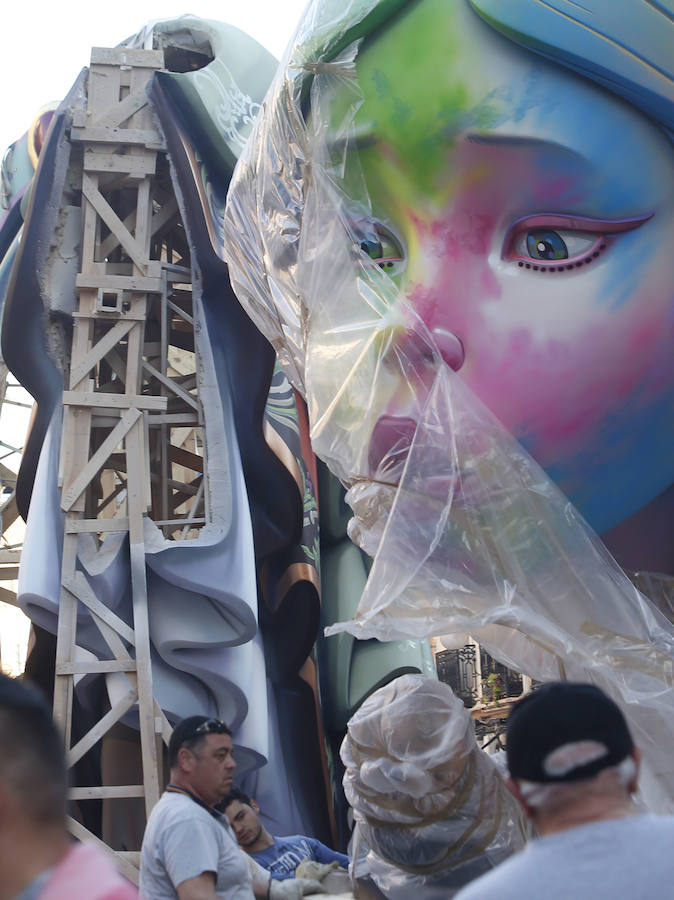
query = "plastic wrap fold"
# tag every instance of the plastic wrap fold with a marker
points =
(431, 806)
(467, 532)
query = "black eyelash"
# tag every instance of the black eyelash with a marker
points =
(567, 267)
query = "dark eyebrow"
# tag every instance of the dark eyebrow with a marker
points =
(359, 139)
(516, 140)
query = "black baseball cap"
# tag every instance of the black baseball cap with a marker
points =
(565, 732)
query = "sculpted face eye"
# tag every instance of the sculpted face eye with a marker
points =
(552, 245)
(553, 242)
(382, 247)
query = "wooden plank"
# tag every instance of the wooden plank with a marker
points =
(127, 56)
(179, 522)
(185, 458)
(175, 419)
(114, 401)
(135, 501)
(119, 112)
(171, 385)
(96, 526)
(90, 234)
(98, 667)
(10, 556)
(132, 165)
(7, 596)
(9, 573)
(108, 792)
(79, 587)
(107, 622)
(10, 513)
(142, 137)
(124, 865)
(65, 641)
(101, 728)
(111, 242)
(181, 312)
(99, 350)
(95, 464)
(109, 216)
(135, 283)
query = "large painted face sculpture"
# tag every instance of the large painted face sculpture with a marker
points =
(460, 251)
(528, 217)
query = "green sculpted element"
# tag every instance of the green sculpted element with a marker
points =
(423, 126)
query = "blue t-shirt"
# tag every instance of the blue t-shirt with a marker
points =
(286, 853)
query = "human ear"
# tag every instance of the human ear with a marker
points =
(637, 756)
(255, 806)
(514, 789)
(185, 759)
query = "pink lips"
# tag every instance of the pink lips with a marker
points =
(392, 435)
(389, 445)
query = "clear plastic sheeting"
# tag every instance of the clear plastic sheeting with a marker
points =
(467, 532)
(428, 802)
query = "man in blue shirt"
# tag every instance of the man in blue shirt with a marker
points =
(280, 855)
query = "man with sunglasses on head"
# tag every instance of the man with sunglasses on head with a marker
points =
(189, 851)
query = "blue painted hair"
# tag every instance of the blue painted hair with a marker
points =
(627, 48)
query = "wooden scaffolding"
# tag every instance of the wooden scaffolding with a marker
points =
(132, 445)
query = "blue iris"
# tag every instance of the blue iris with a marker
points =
(546, 245)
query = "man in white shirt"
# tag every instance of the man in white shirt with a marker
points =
(189, 851)
(574, 767)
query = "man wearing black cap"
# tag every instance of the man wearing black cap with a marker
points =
(573, 767)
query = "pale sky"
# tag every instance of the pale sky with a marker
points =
(46, 44)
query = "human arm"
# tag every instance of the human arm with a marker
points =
(323, 854)
(202, 887)
(267, 888)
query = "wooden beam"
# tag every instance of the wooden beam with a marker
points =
(144, 137)
(123, 56)
(9, 573)
(114, 223)
(99, 350)
(101, 728)
(171, 385)
(109, 792)
(7, 596)
(96, 526)
(73, 491)
(137, 283)
(95, 667)
(83, 834)
(80, 588)
(114, 401)
(132, 165)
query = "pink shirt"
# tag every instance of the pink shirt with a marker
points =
(86, 873)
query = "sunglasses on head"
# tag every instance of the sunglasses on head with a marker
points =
(211, 726)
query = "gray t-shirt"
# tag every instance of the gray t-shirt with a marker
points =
(620, 859)
(181, 841)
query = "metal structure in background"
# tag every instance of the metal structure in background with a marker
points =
(459, 669)
(132, 443)
(474, 675)
(511, 682)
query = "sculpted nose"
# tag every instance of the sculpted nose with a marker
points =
(450, 347)
(415, 347)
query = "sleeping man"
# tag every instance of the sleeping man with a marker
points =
(280, 855)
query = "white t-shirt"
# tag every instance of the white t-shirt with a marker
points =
(182, 840)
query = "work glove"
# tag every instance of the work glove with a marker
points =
(294, 888)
